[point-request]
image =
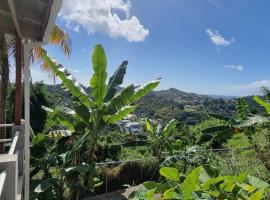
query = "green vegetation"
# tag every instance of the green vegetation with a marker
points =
(203, 182)
(66, 157)
(179, 145)
(39, 97)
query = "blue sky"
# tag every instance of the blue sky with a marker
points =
(203, 46)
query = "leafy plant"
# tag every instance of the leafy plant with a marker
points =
(93, 113)
(202, 182)
(57, 176)
(244, 119)
(159, 137)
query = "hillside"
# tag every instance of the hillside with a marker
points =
(187, 107)
(166, 104)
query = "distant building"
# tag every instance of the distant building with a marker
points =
(130, 127)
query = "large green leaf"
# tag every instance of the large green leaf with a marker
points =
(170, 173)
(62, 116)
(116, 80)
(169, 161)
(207, 173)
(263, 103)
(40, 140)
(98, 80)
(169, 127)
(45, 185)
(258, 183)
(257, 196)
(216, 132)
(190, 183)
(145, 89)
(83, 112)
(172, 194)
(149, 126)
(160, 187)
(121, 99)
(198, 195)
(69, 81)
(111, 119)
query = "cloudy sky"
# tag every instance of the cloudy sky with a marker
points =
(206, 46)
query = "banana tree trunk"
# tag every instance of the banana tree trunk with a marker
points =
(91, 155)
(4, 68)
(91, 161)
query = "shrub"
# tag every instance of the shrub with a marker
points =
(128, 173)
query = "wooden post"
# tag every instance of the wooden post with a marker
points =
(18, 94)
(26, 51)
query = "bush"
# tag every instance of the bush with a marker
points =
(128, 173)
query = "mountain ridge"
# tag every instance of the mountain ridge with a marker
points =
(168, 104)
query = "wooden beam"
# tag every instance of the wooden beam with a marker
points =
(15, 18)
(6, 23)
(18, 91)
(6, 29)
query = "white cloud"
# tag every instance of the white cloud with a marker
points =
(111, 17)
(218, 39)
(252, 88)
(261, 83)
(235, 67)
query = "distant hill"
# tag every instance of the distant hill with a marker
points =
(187, 107)
(167, 104)
(190, 108)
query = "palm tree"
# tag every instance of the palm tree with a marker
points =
(8, 47)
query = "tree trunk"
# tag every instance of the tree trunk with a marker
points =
(4, 68)
(91, 161)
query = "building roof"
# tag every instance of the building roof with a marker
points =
(30, 19)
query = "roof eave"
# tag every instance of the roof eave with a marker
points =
(55, 8)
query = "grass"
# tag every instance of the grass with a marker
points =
(238, 161)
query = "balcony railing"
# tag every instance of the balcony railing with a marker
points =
(12, 164)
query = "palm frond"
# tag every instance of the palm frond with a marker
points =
(11, 44)
(60, 37)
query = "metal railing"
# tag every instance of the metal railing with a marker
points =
(12, 165)
(3, 176)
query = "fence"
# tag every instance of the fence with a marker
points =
(12, 164)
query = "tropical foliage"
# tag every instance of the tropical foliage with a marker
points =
(159, 137)
(202, 182)
(72, 148)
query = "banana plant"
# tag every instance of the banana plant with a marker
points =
(158, 137)
(243, 120)
(94, 112)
